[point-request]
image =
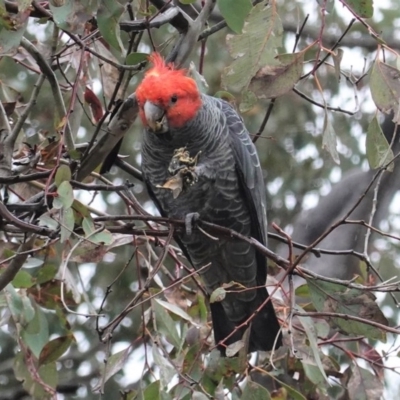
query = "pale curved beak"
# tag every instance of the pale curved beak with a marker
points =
(155, 117)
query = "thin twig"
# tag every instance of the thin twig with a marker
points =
(317, 314)
(32, 102)
(57, 96)
(17, 262)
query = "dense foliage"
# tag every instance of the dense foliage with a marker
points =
(97, 299)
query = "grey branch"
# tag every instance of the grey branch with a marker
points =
(366, 42)
(6, 144)
(188, 40)
(161, 19)
(116, 130)
(55, 87)
(17, 262)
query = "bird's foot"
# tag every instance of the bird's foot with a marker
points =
(189, 175)
(183, 170)
(190, 222)
(181, 160)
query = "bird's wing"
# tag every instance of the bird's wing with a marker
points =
(249, 171)
(265, 328)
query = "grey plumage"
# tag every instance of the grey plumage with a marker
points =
(229, 192)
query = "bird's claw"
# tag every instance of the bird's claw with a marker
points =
(189, 176)
(183, 170)
(190, 222)
(182, 160)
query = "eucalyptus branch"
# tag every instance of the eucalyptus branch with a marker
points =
(32, 102)
(351, 41)
(116, 130)
(386, 287)
(312, 101)
(335, 45)
(161, 19)
(211, 228)
(162, 220)
(120, 67)
(187, 40)
(107, 188)
(17, 262)
(24, 178)
(136, 173)
(24, 226)
(370, 227)
(180, 21)
(7, 142)
(58, 99)
(108, 291)
(64, 268)
(348, 317)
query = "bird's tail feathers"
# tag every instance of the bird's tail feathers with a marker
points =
(265, 329)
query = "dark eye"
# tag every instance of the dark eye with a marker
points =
(174, 98)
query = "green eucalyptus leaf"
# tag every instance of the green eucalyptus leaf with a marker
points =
(136, 58)
(254, 391)
(65, 196)
(165, 325)
(23, 279)
(335, 298)
(63, 174)
(235, 16)
(379, 152)
(36, 333)
(363, 8)
(329, 141)
(385, 88)
(263, 29)
(68, 223)
(37, 385)
(54, 349)
(272, 81)
(111, 366)
(108, 16)
(363, 385)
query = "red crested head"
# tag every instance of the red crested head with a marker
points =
(167, 97)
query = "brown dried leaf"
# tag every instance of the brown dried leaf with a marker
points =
(175, 183)
(110, 73)
(9, 107)
(94, 104)
(120, 240)
(364, 385)
(49, 152)
(89, 252)
(48, 294)
(178, 297)
(273, 81)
